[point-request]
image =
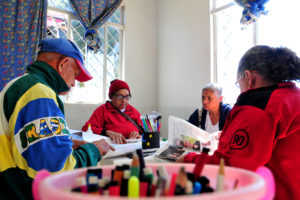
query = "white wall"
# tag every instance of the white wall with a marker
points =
(167, 57)
(141, 52)
(183, 56)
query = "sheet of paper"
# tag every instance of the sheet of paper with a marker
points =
(120, 149)
(90, 137)
(183, 133)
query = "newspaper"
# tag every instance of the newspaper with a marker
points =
(192, 138)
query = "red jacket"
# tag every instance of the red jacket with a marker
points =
(106, 117)
(263, 128)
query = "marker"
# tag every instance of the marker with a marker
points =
(181, 181)
(148, 176)
(153, 186)
(92, 185)
(124, 184)
(118, 175)
(235, 185)
(205, 184)
(189, 187)
(171, 191)
(162, 181)
(81, 185)
(101, 184)
(143, 189)
(135, 166)
(114, 189)
(96, 172)
(197, 188)
(162, 172)
(200, 162)
(133, 187)
(220, 177)
(142, 163)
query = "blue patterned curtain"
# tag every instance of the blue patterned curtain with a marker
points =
(22, 25)
(252, 10)
(92, 14)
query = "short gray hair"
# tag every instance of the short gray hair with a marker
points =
(214, 87)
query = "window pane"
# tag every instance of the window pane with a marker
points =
(56, 25)
(281, 26)
(61, 4)
(113, 67)
(231, 44)
(116, 17)
(93, 90)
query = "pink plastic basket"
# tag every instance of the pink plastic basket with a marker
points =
(250, 184)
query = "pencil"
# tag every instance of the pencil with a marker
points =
(220, 177)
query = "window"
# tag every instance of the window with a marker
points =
(277, 28)
(104, 66)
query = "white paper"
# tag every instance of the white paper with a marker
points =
(120, 149)
(179, 129)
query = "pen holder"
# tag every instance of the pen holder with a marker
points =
(150, 140)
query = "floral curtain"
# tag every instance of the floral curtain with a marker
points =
(22, 25)
(92, 14)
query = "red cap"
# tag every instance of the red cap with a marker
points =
(116, 85)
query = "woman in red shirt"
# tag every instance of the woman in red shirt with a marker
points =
(107, 119)
(263, 128)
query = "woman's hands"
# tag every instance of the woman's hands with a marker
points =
(117, 138)
(134, 135)
(181, 158)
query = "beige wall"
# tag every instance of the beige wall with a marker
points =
(167, 58)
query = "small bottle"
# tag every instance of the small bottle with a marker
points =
(89, 129)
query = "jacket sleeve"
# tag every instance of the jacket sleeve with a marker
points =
(86, 155)
(96, 120)
(245, 141)
(194, 118)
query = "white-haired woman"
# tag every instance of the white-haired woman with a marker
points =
(212, 116)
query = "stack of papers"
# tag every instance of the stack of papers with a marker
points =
(120, 149)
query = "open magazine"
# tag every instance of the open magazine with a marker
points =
(170, 152)
(192, 138)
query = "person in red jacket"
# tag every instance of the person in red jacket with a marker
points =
(109, 120)
(263, 128)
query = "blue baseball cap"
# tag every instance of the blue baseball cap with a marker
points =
(69, 49)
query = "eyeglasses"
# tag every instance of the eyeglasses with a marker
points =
(237, 82)
(121, 97)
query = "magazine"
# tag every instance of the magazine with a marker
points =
(170, 152)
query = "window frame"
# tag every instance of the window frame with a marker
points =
(120, 27)
(213, 13)
(214, 40)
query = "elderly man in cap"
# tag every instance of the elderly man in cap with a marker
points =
(33, 131)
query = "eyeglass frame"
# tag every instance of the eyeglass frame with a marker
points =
(237, 82)
(121, 97)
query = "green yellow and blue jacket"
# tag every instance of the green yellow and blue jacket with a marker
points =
(33, 132)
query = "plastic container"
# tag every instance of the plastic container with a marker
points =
(250, 184)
